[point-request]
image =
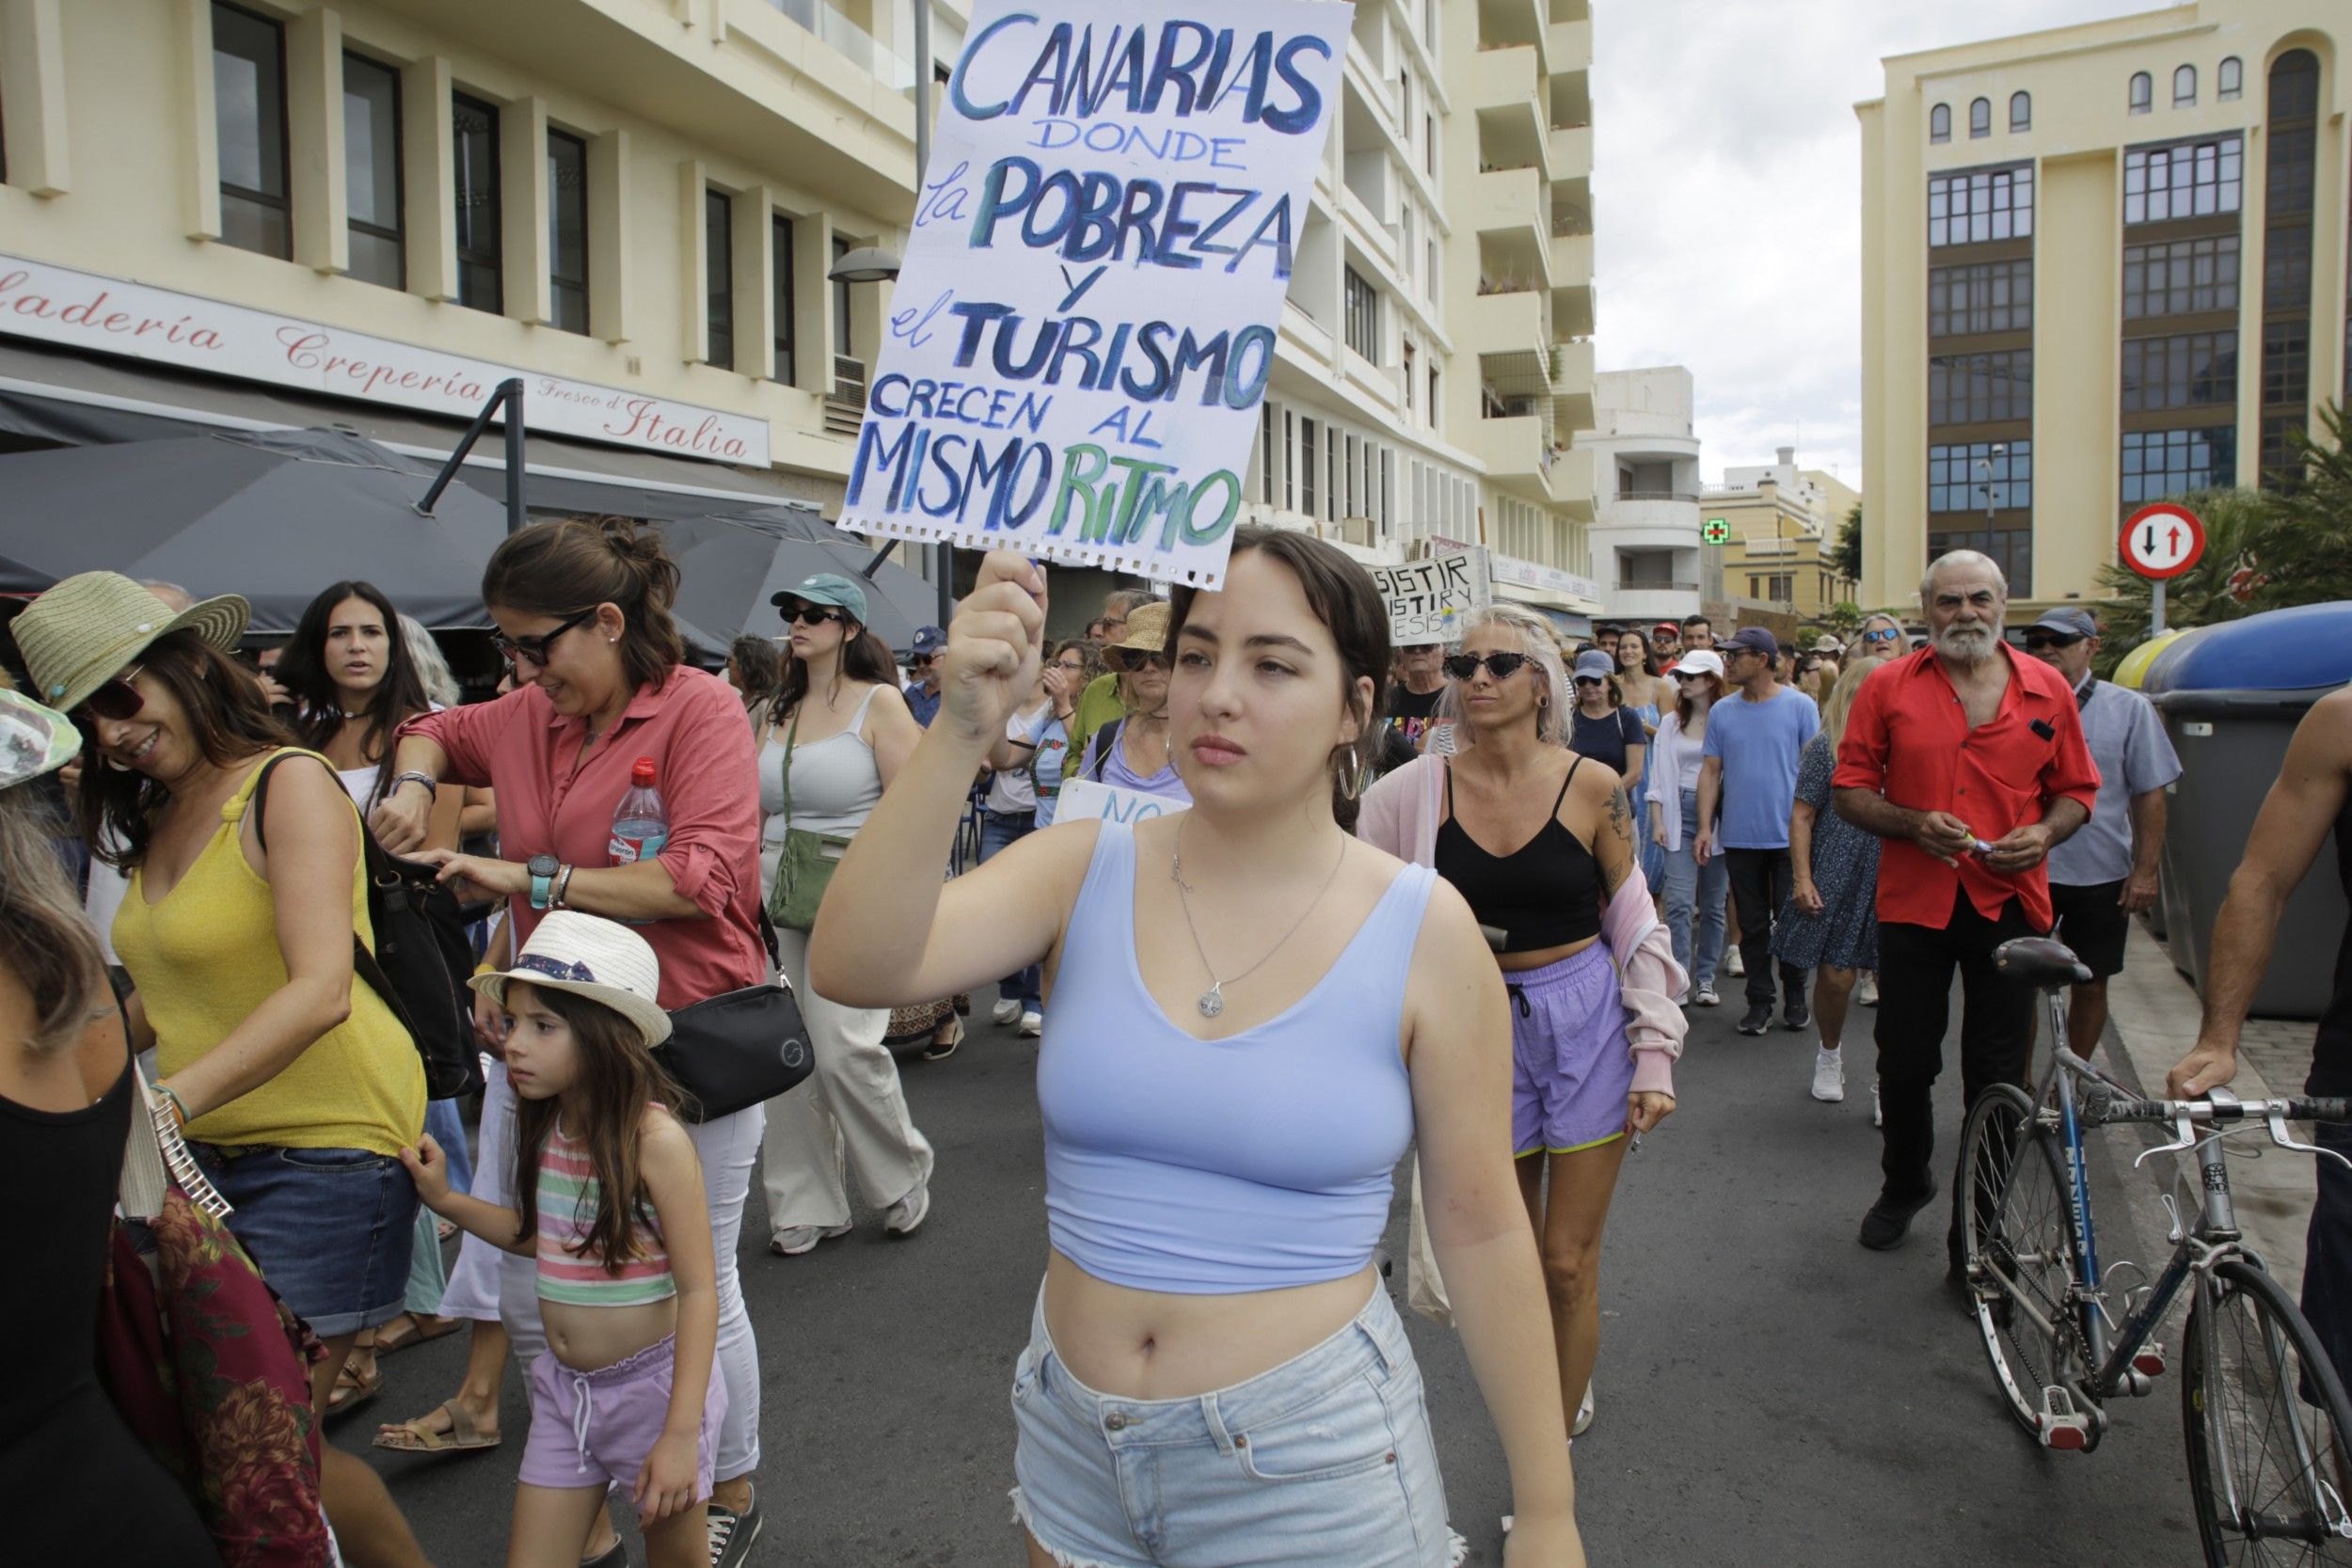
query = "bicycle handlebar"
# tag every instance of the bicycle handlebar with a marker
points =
(2120, 1108)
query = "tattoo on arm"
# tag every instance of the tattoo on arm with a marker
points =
(1617, 867)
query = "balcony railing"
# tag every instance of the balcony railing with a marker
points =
(1657, 495)
(1654, 587)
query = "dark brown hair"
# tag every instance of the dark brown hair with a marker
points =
(400, 696)
(1682, 705)
(864, 657)
(618, 1078)
(228, 718)
(1345, 599)
(566, 564)
(758, 664)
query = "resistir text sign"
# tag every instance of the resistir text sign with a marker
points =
(1429, 598)
(1085, 323)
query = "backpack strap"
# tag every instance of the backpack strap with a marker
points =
(373, 859)
(1104, 738)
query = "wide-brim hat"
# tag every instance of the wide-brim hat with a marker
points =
(830, 589)
(85, 632)
(33, 739)
(1147, 633)
(591, 956)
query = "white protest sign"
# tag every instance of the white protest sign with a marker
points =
(1085, 323)
(1082, 800)
(1428, 598)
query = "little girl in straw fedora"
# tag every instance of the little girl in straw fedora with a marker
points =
(611, 1203)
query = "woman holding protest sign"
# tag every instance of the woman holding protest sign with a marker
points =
(1220, 1129)
(1590, 971)
(835, 736)
(1138, 752)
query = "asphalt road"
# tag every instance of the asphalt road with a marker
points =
(1769, 1392)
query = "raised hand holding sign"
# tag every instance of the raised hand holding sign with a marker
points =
(994, 646)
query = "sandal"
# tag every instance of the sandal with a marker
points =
(354, 1389)
(412, 1437)
(411, 1329)
(939, 1050)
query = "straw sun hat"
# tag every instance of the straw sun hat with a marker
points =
(91, 626)
(1147, 633)
(594, 957)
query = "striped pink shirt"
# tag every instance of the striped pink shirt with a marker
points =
(569, 1195)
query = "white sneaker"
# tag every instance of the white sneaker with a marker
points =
(1865, 990)
(1032, 1025)
(1878, 1116)
(909, 1212)
(794, 1239)
(1008, 1010)
(1734, 965)
(1706, 997)
(1828, 1075)
(1583, 1421)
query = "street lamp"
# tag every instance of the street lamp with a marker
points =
(867, 263)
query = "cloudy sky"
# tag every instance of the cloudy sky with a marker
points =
(1726, 174)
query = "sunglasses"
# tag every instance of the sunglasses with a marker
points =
(1501, 667)
(809, 615)
(117, 699)
(1884, 634)
(1133, 659)
(1588, 680)
(2037, 640)
(535, 648)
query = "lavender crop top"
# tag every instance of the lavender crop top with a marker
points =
(1215, 1168)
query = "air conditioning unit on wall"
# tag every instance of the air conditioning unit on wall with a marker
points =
(1359, 532)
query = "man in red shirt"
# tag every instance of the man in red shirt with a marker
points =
(1969, 760)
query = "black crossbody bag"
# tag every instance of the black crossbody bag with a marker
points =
(735, 1050)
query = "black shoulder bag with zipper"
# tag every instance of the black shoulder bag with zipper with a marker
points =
(735, 1050)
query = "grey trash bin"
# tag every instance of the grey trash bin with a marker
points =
(2231, 696)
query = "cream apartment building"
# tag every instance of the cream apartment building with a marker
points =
(1644, 451)
(2101, 265)
(370, 211)
(1781, 523)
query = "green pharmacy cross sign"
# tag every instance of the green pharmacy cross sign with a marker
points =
(1716, 530)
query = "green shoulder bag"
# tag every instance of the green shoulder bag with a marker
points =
(807, 861)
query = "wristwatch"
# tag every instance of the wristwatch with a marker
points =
(542, 869)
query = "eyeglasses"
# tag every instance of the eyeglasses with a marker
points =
(809, 615)
(535, 648)
(117, 699)
(2037, 640)
(1884, 634)
(1501, 667)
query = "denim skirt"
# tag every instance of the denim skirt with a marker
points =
(1323, 1461)
(330, 1228)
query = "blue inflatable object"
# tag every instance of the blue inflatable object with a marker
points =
(2305, 649)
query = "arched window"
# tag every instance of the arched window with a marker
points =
(2020, 112)
(2185, 86)
(1980, 118)
(2143, 92)
(2233, 82)
(1940, 123)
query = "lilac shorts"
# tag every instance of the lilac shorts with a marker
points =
(594, 1429)
(1571, 1066)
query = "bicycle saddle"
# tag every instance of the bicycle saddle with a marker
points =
(2041, 961)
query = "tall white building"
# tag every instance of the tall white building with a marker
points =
(1645, 455)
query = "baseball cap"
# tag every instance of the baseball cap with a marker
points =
(1698, 661)
(1825, 644)
(827, 587)
(2068, 621)
(1591, 664)
(1756, 638)
(1664, 629)
(928, 640)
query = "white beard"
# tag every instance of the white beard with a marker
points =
(1970, 645)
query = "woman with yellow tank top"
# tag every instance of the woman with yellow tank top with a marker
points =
(296, 1088)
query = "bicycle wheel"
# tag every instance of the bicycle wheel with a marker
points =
(2267, 1425)
(2017, 1244)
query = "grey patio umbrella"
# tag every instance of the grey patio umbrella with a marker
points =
(732, 563)
(274, 515)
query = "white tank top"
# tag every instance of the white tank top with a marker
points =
(836, 782)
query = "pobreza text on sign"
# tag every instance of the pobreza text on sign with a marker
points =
(1085, 322)
(1428, 599)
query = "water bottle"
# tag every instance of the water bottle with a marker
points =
(640, 823)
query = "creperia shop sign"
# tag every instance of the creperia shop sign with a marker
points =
(111, 315)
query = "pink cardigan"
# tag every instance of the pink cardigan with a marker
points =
(1400, 815)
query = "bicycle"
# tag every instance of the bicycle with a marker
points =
(2264, 1413)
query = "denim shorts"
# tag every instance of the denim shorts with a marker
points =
(330, 1228)
(1324, 1462)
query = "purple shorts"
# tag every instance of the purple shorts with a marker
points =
(1571, 1066)
(594, 1429)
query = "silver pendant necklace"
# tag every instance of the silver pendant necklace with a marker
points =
(1212, 1002)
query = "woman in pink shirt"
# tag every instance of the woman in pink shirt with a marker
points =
(582, 607)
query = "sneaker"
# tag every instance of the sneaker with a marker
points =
(1032, 1025)
(1878, 1115)
(1583, 1422)
(794, 1239)
(1734, 965)
(1757, 1019)
(614, 1556)
(1890, 1220)
(1705, 996)
(1865, 990)
(1829, 1076)
(731, 1533)
(1795, 1017)
(1008, 1010)
(907, 1215)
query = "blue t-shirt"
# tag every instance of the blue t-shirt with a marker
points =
(923, 704)
(1759, 744)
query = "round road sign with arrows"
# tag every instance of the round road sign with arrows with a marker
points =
(2162, 540)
